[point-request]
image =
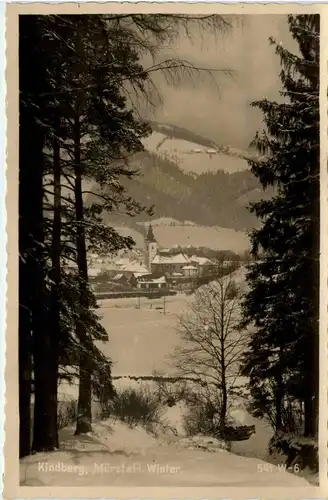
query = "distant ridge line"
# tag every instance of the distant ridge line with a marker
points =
(175, 131)
(164, 378)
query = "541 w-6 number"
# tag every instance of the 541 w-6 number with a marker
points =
(281, 468)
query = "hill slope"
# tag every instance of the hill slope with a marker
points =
(186, 177)
(209, 199)
(192, 152)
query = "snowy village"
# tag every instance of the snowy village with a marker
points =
(151, 271)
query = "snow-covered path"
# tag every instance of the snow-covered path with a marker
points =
(119, 456)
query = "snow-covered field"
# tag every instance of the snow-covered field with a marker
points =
(115, 455)
(140, 343)
(217, 238)
(141, 339)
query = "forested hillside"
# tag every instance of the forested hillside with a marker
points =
(209, 199)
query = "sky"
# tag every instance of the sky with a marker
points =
(224, 114)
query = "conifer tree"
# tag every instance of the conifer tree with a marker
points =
(282, 360)
(76, 105)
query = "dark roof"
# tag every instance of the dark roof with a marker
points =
(150, 235)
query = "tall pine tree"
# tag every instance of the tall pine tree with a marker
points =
(283, 301)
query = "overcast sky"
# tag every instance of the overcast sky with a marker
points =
(226, 116)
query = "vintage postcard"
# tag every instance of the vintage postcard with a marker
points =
(167, 270)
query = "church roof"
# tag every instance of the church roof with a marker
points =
(150, 235)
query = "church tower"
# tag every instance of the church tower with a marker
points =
(151, 247)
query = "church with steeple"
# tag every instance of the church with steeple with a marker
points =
(151, 247)
(161, 262)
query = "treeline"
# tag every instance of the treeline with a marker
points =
(176, 132)
(78, 76)
(209, 253)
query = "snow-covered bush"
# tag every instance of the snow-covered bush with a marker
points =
(199, 420)
(298, 450)
(171, 393)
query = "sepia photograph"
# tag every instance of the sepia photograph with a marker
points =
(168, 250)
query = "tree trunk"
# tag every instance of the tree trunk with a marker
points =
(309, 417)
(84, 419)
(311, 403)
(279, 395)
(224, 406)
(32, 82)
(25, 370)
(311, 399)
(28, 145)
(55, 276)
(224, 401)
(278, 404)
(45, 406)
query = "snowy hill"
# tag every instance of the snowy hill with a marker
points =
(170, 232)
(193, 182)
(192, 153)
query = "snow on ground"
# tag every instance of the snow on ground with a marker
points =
(116, 455)
(257, 445)
(138, 238)
(199, 163)
(211, 237)
(217, 238)
(193, 157)
(140, 339)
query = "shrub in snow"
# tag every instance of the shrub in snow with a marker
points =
(140, 406)
(171, 392)
(299, 450)
(199, 419)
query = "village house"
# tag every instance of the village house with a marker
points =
(168, 264)
(153, 284)
(205, 266)
(190, 271)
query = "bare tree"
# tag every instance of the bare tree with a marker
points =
(212, 345)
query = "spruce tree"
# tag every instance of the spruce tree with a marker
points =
(282, 303)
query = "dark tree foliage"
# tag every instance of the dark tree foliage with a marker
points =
(32, 288)
(282, 304)
(75, 127)
(72, 99)
(100, 129)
